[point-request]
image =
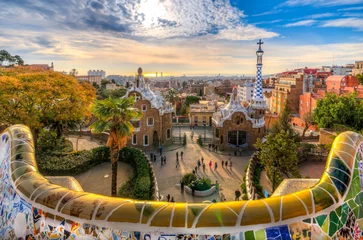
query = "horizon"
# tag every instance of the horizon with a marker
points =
(183, 37)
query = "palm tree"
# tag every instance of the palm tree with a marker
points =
(114, 116)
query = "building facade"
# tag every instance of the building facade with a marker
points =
(287, 89)
(155, 126)
(97, 73)
(90, 79)
(239, 125)
(202, 113)
(358, 68)
(340, 84)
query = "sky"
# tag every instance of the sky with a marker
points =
(177, 37)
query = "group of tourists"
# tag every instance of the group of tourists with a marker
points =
(213, 146)
(170, 198)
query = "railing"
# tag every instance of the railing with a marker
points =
(34, 207)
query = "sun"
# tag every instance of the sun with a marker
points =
(152, 11)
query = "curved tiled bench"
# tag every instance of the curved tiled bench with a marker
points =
(332, 207)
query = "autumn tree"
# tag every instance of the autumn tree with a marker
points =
(39, 98)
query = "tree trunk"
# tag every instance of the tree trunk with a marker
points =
(305, 128)
(114, 160)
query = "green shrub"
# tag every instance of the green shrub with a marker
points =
(189, 178)
(185, 139)
(73, 163)
(49, 143)
(202, 184)
(139, 187)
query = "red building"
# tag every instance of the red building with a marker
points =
(341, 84)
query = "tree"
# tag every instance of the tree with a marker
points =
(200, 92)
(73, 72)
(333, 110)
(191, 99)
(283, 124)
(280, 155)
(5, 57)
(360, 78)
(172, 96)
(308, 121)
(39, 98)
(114, 116)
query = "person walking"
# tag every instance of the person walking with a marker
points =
(164, 159)
(237, 194)
(181, 155)
(203, 167)
(217, 186)
(202, 159)
(161, 149)
(182, 186)
(168, 197)
(177, 163)
(226, 164)
(172, 199)
(209, 145)
(177, 155)
(222, 163)
(215, 166)
(199, 164)
(154, 157)
(230, 166)
(229, 157)
(210, 164)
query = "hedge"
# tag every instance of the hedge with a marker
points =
(139, 187)
(73, 163)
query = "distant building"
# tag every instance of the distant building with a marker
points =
(43, 66)
(287, 89)
(201, 113)
(97, 73)
(197, 88)
(358, 68)
(113, 86)
(120, 80)
(155, 126)
(90, 79)
(338, 70)
(209, 89)
(341, 84)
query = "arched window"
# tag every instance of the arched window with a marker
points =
(168, 133)
(144, 107)
(134, 139)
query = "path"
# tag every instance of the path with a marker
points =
(98, 179)
(168, 175)
(84, 142)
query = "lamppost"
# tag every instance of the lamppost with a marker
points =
(205, 127)
(179, 130)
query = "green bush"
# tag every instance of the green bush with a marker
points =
(73, 163)
(139, 187)
(202, 184)
(189, 178)
(49, 143)
(185, 139)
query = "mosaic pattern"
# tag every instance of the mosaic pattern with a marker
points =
(33, 208)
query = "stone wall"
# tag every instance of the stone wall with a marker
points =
(250, 186)
(326, 136)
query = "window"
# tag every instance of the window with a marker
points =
(237, 138)
(144, 107)
(204, 119)
(168, 133)
(150, 121)
(134, 140)
(135, 123)
(146, 140)
(259, 130)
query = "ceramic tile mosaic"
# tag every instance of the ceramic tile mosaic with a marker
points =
(33, 208)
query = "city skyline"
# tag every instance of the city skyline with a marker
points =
(183, 37)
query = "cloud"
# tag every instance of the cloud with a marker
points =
(248, 32)
(356, 23)
(160, 19)
(44, 42)
(321, 2)
(320, 15)
(267, 13)
(301, 23)
(351, 9)
(268, 22)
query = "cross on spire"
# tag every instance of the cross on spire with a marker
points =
(259, 43)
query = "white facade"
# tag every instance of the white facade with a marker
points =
(338, 70)
(97, 73)
(246, 91)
